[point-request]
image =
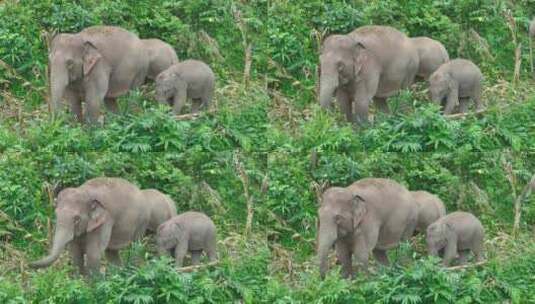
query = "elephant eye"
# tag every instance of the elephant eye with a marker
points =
(76, 219)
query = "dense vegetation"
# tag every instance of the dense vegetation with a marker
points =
(259, 136)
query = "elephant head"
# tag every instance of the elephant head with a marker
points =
(77, 213)
(340, 216)
(165, 87)
(438, 236)
(440, 86)
(338, 64)
(71, 58)
(168, 236)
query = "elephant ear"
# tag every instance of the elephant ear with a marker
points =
(359, 210)
(359, 58)
(97, 216)
(91, 57)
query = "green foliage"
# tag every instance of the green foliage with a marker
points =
(268, 128)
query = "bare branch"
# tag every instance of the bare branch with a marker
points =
(466, 266)
(463, 115)
(526, 192)
(197, 267)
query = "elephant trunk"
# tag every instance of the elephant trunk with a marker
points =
(328, 85)
(59, 79)
(326, 238)
(62, 237)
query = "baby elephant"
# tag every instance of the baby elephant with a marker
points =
(192, 232)
(455, 83)
(189, 79)
(456, 234)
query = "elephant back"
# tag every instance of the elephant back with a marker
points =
(124, 202)
(390, 207)
(395, 52)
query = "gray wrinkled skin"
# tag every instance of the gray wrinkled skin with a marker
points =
(192, 232)
(372, 62)
(455, 83)
(162, 208)
(161, 56)
(102, 215)
(189, 79)
(371, 215)
(95, 65)
(432, 55)
(456, 234)
(430, 209)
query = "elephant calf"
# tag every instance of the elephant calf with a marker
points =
(456, 234)
(455, 83)
(189, 79)
(430, 208)
(192, 232)
(162, 208)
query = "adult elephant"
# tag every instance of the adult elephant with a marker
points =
(431, 53)
(372, 62)
(97, 64)
(102, 215)
(371, 215)
(161, 56)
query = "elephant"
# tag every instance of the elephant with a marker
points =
(190, 231)
(430, 209)
(455, 235)
(372, 62)
(370, 215)
(532, 29)
(101, 215)
(97, 64)
(162, 208)
(455, 83)
(191, 79)
(161, 56)
(431, 53)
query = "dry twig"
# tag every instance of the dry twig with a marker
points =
(526, 192)
(197, 267)
(463, 115)
(466, 266)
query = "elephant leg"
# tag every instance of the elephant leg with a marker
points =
(114, 257)
(463, 104)
(206, 99)
(93, 253)
(96, 87)
(381, 256)
(180, 97)
(196, 257)
(180, 252)
(344, 101)
(111, 105)
(478, 252)
(361, 105)
(77, 255)
(343, 254)
(211, 251)
(463, 256)
(196, 105)
(381, 104)
(75, 102)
